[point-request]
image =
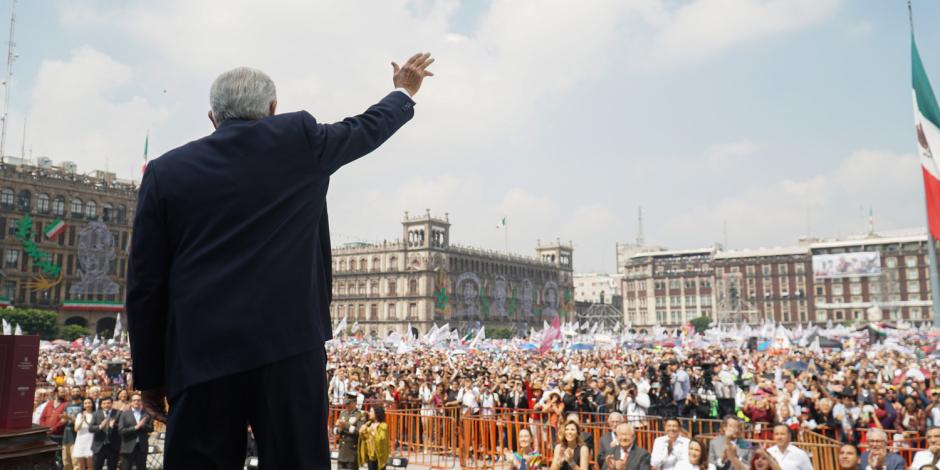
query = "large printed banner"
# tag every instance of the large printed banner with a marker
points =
(866, 263)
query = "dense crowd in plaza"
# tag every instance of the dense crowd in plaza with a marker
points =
(877, 398)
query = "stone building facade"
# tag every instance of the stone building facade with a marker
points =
(64, 239)
(424, 279)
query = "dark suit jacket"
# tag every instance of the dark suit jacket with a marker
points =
(230, 253)
(103, 433)
(639, 458)
(604, 446)
(130, 437)
(892, 462)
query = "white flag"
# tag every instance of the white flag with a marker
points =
(480, 336)
(18, 331)
(355, 327)
(117, 327)
(7, 330)
(341, 327)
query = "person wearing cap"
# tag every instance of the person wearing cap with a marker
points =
(347, 427)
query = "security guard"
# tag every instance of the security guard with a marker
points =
(347, 428)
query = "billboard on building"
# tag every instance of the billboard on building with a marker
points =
(866, 263)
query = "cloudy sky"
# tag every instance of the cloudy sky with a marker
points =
(775, 117)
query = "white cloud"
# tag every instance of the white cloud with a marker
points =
(733, 152)
(836, 202)
(706, 27)
(74, 116)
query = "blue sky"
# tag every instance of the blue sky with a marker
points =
(773, 116)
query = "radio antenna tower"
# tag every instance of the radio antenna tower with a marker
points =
(11, 58)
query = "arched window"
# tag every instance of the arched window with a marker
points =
(91, 210)
(352, 265)
(24, 201)
(393, 263)
(363, 264)
(342, 265)
(58, 206)
(6, 198)
(376, 264)
(42, 203)
(107, 212)
(77, 208)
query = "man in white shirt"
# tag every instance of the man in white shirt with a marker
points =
(932, 454)
(788, 456)
(671, 448)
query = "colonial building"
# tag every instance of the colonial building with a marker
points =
(668, 287)
(423, 279)
(878, 276)
(64, 239)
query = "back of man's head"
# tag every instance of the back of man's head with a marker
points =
(242, 93)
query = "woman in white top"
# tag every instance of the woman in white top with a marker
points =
(698, 457)
(81, 451)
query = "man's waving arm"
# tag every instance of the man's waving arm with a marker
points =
(345, 141)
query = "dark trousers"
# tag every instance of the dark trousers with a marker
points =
(373, 465)
(137, 458)
(108, 453)
(285, 403)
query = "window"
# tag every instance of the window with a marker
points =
(76, 208)
(413, 287)
(374, 288)
(392, 286)
(6, 198)
(874, 288)
(393, 263)
(750, 270)
(674, 284)
(362, 312)
(42, 203)
(910, 261)
(24, 201)
(913, 287)
(362, 288)
(782, 269)
(766, 270)
(837, 289)
(799, 268)
(352, 265)
(912, 274)
(107, 212)
(12, 258)
(412, 311)
(391, 312)
(374, 312)
(121, 214)
(376, 264)
(856, 289)
(91, 210)
(891, 262)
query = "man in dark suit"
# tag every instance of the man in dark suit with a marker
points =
(229, 282)
(135, 426)
(106, 439)
(609, 439)
(627, 455)
(877, 455)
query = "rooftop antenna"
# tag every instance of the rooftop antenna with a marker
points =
(11, 58)
(639, 230)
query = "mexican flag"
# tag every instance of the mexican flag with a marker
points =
(55, 228)
(502, 223)
(927, 125)
(93, 305)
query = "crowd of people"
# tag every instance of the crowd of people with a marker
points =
(870, 398)
(84, 395)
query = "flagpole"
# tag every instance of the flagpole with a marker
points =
(506, 235)
(931, 241)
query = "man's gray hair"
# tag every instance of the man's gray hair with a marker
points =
(242, 93)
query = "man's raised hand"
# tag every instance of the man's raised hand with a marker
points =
(410, 75)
